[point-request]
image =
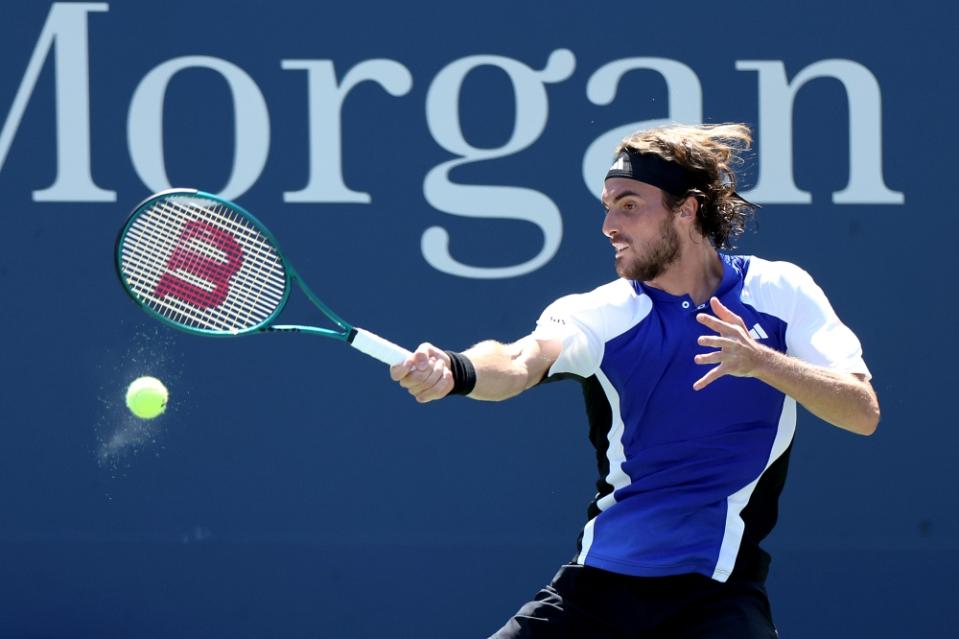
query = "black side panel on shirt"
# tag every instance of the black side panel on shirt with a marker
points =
(600, 417)
(760, 515)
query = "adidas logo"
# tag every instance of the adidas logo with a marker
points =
(757, 332)
(621, 164)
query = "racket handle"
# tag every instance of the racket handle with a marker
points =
(377, 347)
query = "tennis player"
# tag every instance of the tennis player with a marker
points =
(691, 364)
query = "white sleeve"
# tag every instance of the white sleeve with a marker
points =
(815, 334)
(579, 329)
(584, 323)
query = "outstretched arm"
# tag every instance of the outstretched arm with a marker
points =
(845, 400)
(502, 370)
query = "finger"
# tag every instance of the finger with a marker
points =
(417, 379)
(421, 359)
(715, 323)
(710, 377)
(416, 375)
(413, 380)
(431, 351)
(715, 341)
(714, 357)
(724, 313)
(439, 389)
(428, 378)
(401, 370)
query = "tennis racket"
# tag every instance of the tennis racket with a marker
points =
(204, 265)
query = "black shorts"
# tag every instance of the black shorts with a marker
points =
(589, 603)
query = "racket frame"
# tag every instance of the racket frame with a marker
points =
(344, 331)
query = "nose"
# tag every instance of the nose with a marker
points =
(610, 224)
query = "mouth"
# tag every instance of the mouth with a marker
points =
(619, 249)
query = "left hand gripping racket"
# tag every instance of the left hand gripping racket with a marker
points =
(204, 265)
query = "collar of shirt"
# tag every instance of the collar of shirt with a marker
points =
(684, 302)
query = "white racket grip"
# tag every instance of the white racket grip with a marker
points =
(375, 346)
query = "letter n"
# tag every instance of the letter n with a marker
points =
(776, 97)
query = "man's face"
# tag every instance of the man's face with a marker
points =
(640, 228)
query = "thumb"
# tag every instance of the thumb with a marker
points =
(401, 370)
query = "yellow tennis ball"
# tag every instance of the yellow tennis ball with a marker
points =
(147, 397)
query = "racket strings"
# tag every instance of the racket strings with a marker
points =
(242, 304)
(199, 267)
(173, 307)
(203, 265)
(262, 296)
(248, 287)
(145, 249)
(200, 308)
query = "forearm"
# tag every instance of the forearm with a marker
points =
(501, 370)
(506, 370)
(842, 399)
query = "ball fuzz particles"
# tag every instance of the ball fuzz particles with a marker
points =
(147, 397)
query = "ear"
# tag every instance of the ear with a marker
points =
(688, 209)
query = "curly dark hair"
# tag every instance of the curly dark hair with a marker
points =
(715, 149)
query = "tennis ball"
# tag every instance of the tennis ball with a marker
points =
(147, 397)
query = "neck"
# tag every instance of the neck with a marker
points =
(697, 272)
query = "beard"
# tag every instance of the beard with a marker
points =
(659, 255)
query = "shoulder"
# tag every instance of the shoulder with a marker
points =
(617, 293)
(779, 288)
(773, 274)
(775, 280)
(608, 310)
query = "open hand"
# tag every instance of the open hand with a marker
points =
(738, 354)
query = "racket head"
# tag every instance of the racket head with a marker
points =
(202, 264)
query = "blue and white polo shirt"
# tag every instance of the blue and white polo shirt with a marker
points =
(689, 480)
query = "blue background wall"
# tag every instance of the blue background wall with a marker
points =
(291, 490)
